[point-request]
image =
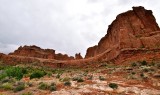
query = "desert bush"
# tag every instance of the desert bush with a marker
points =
(145, 70)
(102, 78)
(67, 83)
(53, 88)
(113, 85)
(7, 86)
(16, 72)
(49, 74)
(134, 64)
(143, 63)
(80, 80)
(37, 74)
(19, 87)
(133, 73)
(43, 86)
(58, 75)
(142, 75)
(66, 79)
(2, 76)
(90, 77)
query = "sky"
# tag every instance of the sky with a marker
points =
(67, 26)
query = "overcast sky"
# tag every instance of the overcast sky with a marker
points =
(68, 26)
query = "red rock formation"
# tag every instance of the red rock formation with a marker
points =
(91, 51)
(132, 36)
(78, 56)
(60, 56)
(136, 28)
(34, 51)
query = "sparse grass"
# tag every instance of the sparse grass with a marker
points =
(45, 86)
(7, 86)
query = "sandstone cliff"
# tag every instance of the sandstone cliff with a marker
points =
(34, 51)
(37, 52)
(136, 28)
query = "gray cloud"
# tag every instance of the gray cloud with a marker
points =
(68, 26)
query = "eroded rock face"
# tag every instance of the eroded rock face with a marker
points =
(78, 56)
(60, 56)
(136, 28)
(34, 51)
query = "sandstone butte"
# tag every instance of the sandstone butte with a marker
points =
(134, 35)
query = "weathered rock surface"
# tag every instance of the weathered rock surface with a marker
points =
(34, 51)
(133, 29)
(78, 56)
(37, 52)
(60, 56)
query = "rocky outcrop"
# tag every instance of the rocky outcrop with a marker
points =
(37, 52)
(34, 51)
(60, 56)
(136, 28)
(78, 56)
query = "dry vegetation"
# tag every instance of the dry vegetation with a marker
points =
(135, 78)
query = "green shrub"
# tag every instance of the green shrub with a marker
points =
(2, 76)
(52, 88)
(133, 64)
(113, 85)
(75, 78)
(142, 75)
(78, 79)
(7, 86)
(145, 70)
(29, 84)
(43, 86)
(68, 83)
(58, 76)
(143, 63)
(49, 74)
(20, 86)
(14, 72)
(102, 78)
(37, 74)
(133, 73)
(90, 77)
